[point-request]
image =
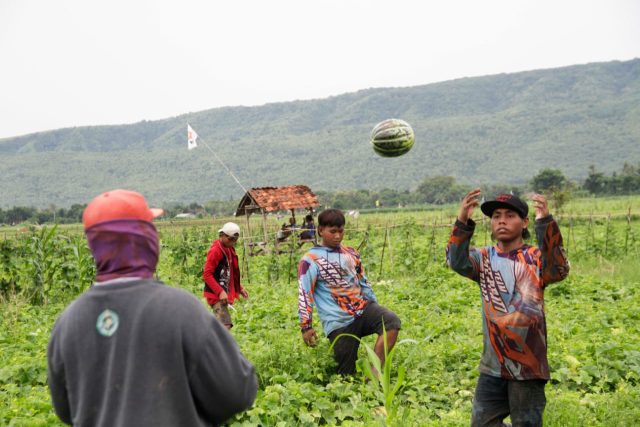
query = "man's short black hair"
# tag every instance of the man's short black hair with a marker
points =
(331, 218)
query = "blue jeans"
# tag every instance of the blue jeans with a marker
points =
(496, 398)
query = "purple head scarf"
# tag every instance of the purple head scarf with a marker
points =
(124, 248)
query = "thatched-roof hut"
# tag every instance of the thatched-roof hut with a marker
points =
(273, 199)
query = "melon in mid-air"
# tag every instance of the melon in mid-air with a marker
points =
(392, 138)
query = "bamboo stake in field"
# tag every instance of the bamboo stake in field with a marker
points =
(626, 237)
(606, 235)
(245, 258)
(291, 249)
(264, 229)
(384, 244)
(391, 250)
(433, 240)
(590, 234)
(410, 246)
(571, 236)
(364, 241)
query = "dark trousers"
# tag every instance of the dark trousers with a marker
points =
(345, 350)
(496, 398)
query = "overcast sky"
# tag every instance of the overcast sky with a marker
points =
(82, 62)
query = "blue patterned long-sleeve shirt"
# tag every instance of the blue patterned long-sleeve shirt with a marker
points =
(333, 280)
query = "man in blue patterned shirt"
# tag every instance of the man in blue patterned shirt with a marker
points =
(331, 276)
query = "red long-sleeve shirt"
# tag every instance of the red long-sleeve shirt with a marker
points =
(221, 273)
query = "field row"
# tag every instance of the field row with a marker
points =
(593, 325)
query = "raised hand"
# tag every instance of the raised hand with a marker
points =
(469, 203)
(540, 205)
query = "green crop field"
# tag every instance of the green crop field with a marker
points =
(593, 320)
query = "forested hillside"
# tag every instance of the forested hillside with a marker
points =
(501, 128)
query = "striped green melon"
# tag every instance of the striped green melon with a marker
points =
(392, 138)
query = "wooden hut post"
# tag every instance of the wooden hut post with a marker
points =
(246, 215)
(249, 235)
(245, 257)
(294, 227)
(264, 228)
(315, 231)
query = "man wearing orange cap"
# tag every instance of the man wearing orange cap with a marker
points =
(221, 273)
(132, 351)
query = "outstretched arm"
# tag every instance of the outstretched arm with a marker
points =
(554, 263)
(459, 257)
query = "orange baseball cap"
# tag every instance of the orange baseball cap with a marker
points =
(118, 204)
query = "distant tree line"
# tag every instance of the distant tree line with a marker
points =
(210, 208)
(51, 214)
(439, 190)
(436, 190)
(626, 182)
(73, 215)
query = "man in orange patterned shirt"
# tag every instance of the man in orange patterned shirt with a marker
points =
(512, 276)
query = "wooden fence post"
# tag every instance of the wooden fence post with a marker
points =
(433, 240)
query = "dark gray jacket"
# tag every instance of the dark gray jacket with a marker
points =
(140, 353)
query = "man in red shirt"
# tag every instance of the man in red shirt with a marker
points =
(222, 274)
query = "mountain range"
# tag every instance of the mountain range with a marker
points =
(494, 129)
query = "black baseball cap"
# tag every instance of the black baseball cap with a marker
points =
(505, 201)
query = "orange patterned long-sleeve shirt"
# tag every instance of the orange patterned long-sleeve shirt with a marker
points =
(512, 289)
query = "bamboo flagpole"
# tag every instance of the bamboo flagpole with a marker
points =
(192, 142)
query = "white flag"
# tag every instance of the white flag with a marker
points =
(192, 136)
